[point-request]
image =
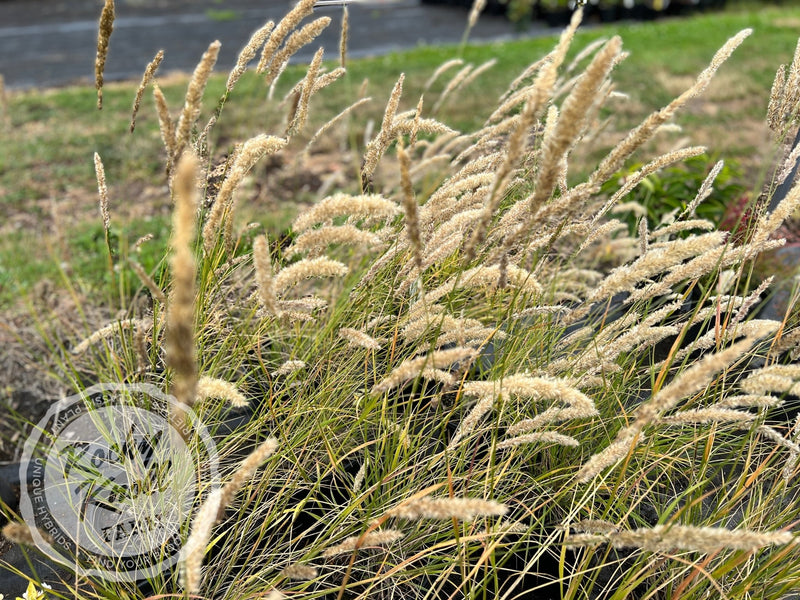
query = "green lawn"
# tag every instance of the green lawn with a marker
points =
(47, 180)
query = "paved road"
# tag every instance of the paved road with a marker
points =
(49, 43)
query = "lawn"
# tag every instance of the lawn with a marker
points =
(47, 180)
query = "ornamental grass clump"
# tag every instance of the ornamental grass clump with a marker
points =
(473, 381)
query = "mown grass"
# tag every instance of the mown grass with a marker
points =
(45, 158)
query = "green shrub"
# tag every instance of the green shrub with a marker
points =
(668, 192)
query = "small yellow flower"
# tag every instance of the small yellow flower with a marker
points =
(32, 593)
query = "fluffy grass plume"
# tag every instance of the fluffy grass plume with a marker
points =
(445, 66)
(639, 135)
(385, 136)
(248, 53)
(372, 539)
(340, 204)
(20, 533)
(149, 71)
(307, 268)
(410, 205)
(298, 39)
(195, 547)
(102, 190)
(210, 387)
(359, 338)
(475, 11)
(465, 509)
(666, 538)
(300, 572)
(690, 381)
(314, 241)
(222, 213)
(144, 277)
(300, 116)
(194, 97)
(105, 333)
(301, 10)
(290, 366)
(165, 123)
(414, 367)
(343, 38)
(180, 336)
(210, 512)
(103, 36)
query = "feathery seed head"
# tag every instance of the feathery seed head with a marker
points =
(107, 331)
(247, 469)
(248, 53)
(465, 509)
(469, 423)
(146, 77)
(194, 549)
(340, 204)
(102, 190)
(381, 537)
(301, 112)
(315, 241)
(194, 97)
(289, 367)
(307, 268)
(103, 35)
(539, 437)
(165, 123)
(385, 136)
(343, 38)
(180, 344)
(21, 534)
(224, 204)
(300, 572)
(359, 338)
(210, 387)
(412, 367)
(667, 538)
(268, 54)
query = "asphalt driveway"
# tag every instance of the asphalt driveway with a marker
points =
(51, 43)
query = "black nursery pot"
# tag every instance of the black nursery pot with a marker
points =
(638, 12)
(626, 14)
(607, 13)
(644, 13)
(712, 4)
(682, 7)
(558, 17)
